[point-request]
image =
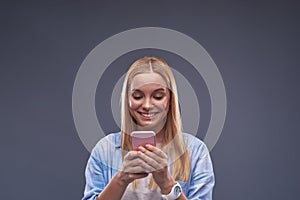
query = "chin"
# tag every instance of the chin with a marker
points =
(151, 126)
(147, 125)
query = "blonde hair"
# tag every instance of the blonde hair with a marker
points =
(172, 142)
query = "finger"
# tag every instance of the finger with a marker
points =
(130, 160)
(147, 158)
(139, 169)
(147, 152)
(156, 150)
(131, 155)
(137, 166)
(152, 159)
(143, 165)
(158, 155)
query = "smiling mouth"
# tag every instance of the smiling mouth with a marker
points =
(148, 115)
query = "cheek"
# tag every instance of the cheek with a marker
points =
(164, 105)
(133, 105)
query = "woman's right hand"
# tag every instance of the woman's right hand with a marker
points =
(133, 167)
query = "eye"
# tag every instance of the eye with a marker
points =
(159, 96)
(137, 95)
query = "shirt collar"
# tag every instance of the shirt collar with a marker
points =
(118, 140)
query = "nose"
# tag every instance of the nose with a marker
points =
(147, 104)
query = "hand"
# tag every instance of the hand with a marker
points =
(133, 167)
(158, 163)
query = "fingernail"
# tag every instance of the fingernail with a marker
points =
(141, 148)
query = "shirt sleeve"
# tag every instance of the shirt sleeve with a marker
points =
(202, 175)
(94, 176)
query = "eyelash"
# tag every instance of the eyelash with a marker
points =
(155, 97)
(159, 97)
(137, 97)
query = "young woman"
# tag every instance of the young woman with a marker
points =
(178, 167)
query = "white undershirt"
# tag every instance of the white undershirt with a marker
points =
(141, 192)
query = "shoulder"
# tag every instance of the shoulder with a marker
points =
(194, 144)
(192, 141)
(111, 141)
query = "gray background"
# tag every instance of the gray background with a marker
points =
(255, 44)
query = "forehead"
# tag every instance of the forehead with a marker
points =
(147, 79)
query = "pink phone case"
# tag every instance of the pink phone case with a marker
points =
(141, 138)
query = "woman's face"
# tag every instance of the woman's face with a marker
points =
(149, 99)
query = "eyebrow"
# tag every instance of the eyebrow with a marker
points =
(157, 90)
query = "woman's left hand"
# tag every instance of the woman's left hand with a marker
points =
(158, 160)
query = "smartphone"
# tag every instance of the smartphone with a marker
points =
(141, 138)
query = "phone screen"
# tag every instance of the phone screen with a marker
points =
(141, 138)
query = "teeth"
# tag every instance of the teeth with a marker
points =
(148, 114)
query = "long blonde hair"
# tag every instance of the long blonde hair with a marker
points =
(172, 143)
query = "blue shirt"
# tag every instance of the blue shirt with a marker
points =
(106, 159)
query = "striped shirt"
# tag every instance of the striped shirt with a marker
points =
(106, 159)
